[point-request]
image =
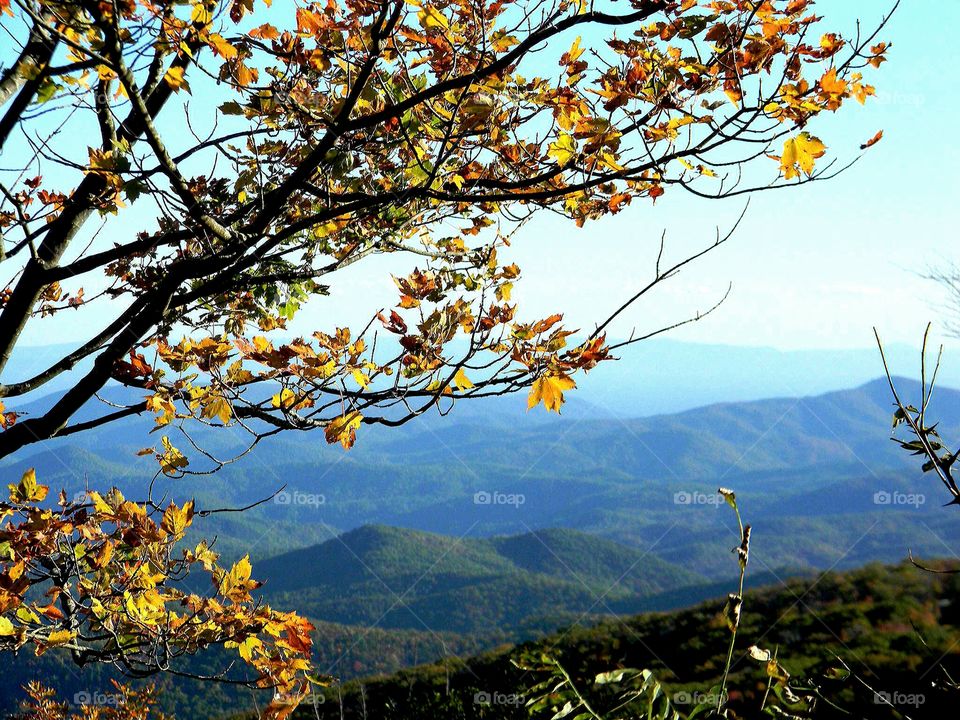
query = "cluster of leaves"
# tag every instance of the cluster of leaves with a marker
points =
(125, 703)
(428, 130)
(101, 577)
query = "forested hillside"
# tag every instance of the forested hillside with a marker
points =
(897, 628)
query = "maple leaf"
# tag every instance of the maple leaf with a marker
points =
(549, 389)
(218, 407)
(176, 520)
(175, 79)
(236, 584)
(802, 150)
(563, 150)
(27, 490)
(221, 47)
(461, 381)
(171, 459)
(431, 18)
(344, 429)
(831, 43)
(832, 84)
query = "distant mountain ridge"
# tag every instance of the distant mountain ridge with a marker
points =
(501, 586)
(812, 463)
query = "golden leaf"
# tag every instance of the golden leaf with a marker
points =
(344, 429)
(802, 150)
(549, 389)
(27, 490)
(563, 150)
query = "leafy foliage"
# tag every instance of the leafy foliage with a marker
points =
(430, 131)
(101, 578)
(124, 704)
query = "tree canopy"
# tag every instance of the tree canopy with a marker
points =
(182, 178)
(259, 151)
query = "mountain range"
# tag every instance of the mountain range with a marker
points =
(451, 535)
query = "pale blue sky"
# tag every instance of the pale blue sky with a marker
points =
(815, 266)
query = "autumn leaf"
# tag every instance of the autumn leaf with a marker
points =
(200, 15)
(830, 83)
(55, 639)
(176, 520)
(461, 381)
(236, 584)
(247, 646)
(221, 47)
(872, 141)
(174, 78)
(344, 429)
(218, 407)
(171, 459)
(802, 150)
(431, 18)
(27, 490)
(6, 627)
(563, 150)
(549, 390)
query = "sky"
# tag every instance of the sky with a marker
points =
(816, 266)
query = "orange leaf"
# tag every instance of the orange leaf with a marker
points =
(872, 141)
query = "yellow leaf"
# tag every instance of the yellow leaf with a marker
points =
(549, 389)
(200, 15)
(6, 627)
(172, 459)
(176, 520)
(222, 48)
(247, 646)
(344, 429)
(461, 380)
(59, 637)
(802, 150)
(218, 407)
(236, 583)
(99, 504)
(284, 399)
(564, 149)
(240, 572)
(430, 17)
(175, 79)
(27, 490)
(24, 615)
